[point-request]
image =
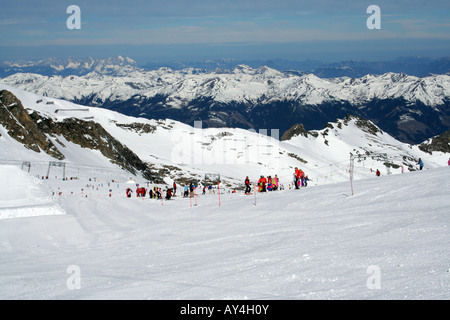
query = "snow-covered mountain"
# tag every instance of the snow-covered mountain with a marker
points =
(40, 129)
(241, 84)
(411, 109)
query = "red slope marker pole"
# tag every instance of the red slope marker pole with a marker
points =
(218, 188)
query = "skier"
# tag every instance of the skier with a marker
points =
(378, 173)
(306, 181)
(138, 192)
(449, 161)
(296, 177)
(186, 191)
(420, 163)
(247, 186)
(158, 193)
(169, 193)
(269, 183)
(262, 184)
(192, 187)
(275, 183)
(128, 191)
(174, 188)
(302, 177)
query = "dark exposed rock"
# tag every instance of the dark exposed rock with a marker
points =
(440, 143)
(363, 124)
(138, 127)
(21, 126)
(295, 130)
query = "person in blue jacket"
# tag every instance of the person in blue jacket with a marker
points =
(420, 163)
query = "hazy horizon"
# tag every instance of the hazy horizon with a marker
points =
(154, 31)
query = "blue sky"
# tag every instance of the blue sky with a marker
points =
(245, 29)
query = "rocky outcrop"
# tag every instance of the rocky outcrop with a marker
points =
(364, 124)
(21, 127)
(440, 143)
(295, 130)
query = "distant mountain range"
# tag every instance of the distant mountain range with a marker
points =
(415, 66)
(68, 67)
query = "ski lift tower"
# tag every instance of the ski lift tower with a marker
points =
(26, 164)
(211, 178)
(57, 164)
(361, 157)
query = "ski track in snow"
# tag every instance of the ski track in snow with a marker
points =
(313, 243)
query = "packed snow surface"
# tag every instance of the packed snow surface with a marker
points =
(389, 240)
(23, 195)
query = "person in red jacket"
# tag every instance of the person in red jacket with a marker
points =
(302, 177)
(264, 182)
(247, 186)
(169, 194)
(128, 191)
(261, 184)
(297, 177)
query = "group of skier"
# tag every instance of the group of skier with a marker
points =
(141, 192)
(300, 178)
(264, 184)
(268, 184)
(154, 193)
